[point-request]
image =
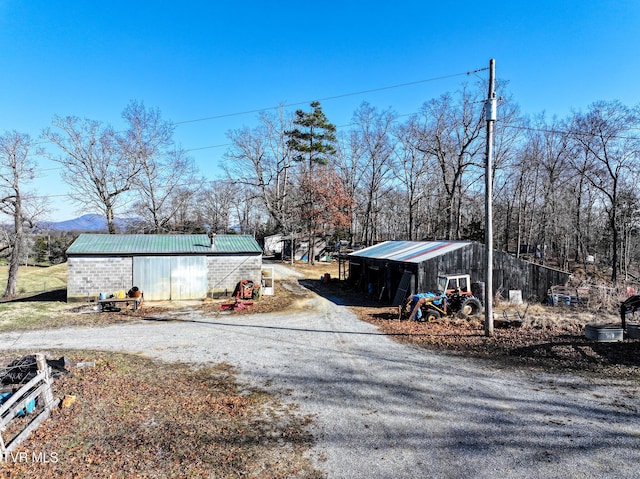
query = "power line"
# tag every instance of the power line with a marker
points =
(328, 98)
(568, 132)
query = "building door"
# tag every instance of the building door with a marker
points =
(171, 277)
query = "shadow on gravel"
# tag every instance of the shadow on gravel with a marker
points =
(585, 353)
(289, 328)
(294, 329)
(338, 292)
(261, 326)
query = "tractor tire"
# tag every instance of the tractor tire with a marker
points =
(470, 307)
(430, 315)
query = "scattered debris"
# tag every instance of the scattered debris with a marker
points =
(34, 397)
(68, 400)
(85, 364)
(567, 296)
(24, 369)
(237, 304)
(510, 319)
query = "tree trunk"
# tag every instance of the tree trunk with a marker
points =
(614, 246)
(14, 264)
(110, 222)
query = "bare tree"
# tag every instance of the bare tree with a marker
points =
(260, 160)
(94, 165)
(584, 198)
(629, 221)
(551, 150)
(215, 203)
(185, 217)
(17, 168)
(451, 134)
(246, 214)
(606, 132)
(164, 169)
(161, 185)
(515, 199)
(373, 132)
(507, 177)
(413, 173)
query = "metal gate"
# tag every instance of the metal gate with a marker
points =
(171, 277)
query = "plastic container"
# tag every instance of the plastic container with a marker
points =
(29, 408)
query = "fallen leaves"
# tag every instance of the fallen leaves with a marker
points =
(134, 417)
(551, 339)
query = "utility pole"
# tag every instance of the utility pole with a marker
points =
(490, 116)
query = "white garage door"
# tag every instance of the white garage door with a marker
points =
(171, 278)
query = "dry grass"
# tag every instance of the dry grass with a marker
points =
(550, 339)
(134, 417)
(35, 279)
(316, 270)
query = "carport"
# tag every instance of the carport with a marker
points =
(384, 268)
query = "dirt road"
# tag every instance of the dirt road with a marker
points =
(387, 410)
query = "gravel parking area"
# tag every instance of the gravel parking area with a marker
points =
(383, 409)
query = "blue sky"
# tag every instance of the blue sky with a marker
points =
(202, 59)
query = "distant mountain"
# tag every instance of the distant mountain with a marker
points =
(90, 223)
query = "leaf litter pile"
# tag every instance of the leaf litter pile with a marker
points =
(134, 417)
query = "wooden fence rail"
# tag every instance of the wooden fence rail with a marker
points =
(39, 388)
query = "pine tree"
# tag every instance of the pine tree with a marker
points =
(311, 143)
(313, 138)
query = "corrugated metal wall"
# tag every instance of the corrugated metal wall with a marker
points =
(171, 277)
(509, 272)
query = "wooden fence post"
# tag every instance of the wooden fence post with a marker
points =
(47, 394)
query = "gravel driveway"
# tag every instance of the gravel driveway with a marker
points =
(386, 410)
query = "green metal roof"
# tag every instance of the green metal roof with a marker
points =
(106, 244)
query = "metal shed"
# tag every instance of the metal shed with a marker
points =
(379, 269)
(163, 267)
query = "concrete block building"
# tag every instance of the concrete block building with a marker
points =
(163, 267)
